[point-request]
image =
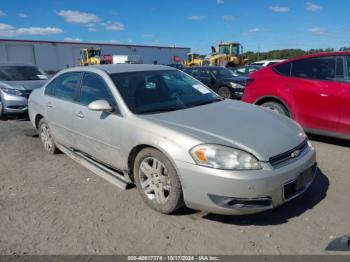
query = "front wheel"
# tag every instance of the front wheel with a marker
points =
(277, 107)
(1, 110)
(225, 92)
(157, 181)
(46, 138)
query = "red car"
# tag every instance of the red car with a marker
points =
(314, 90)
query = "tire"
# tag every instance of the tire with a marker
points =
(277, 107)
(225, 92)
(2, 114)
(157, 181)
(46, 138)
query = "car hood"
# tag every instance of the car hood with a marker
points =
(26, 85)
(257, 130)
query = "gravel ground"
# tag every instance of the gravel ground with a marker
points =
(52, 205)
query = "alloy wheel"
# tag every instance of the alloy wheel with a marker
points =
(224, 92)
(46, 137)
(154, 179)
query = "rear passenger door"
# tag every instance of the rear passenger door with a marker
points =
(316, 92)
(61, 98)
(344, 125)
(98, 134)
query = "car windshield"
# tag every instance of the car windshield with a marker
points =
(21, 73)
(222, 73)
(161, 91)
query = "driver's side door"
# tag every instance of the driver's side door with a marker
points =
(98, 134)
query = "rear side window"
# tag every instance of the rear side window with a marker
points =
(205, 73)
(50, 88)
(67, 86)
(283, 69)
(93, 88)
(320, 68)
(347, 68)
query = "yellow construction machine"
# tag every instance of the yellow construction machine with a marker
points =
(229, 54)
(194, 60)
(91, 56)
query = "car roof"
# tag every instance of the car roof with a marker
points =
(318, 55)
(120, 68)
(268, 61)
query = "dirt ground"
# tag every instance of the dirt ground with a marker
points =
(51, 205)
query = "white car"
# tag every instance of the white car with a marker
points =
(264, 63)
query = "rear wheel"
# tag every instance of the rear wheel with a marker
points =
(46, 138)
(157, 181)
(225, 92)
(277, 107)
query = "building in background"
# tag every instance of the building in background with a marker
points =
(56, 55)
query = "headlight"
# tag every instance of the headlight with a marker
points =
(11, 91)
(223, 157)
(235, 85)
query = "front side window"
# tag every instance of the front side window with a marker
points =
(161, 91)
(320, 68)
(21, 73)
(93, 88)
(67, 85)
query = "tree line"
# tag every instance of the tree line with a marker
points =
(286, 53)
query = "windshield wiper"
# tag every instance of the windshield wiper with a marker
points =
(159, 110)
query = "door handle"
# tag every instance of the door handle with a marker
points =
(80, 114)
(49, 105)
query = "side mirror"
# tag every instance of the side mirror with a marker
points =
(100, 105)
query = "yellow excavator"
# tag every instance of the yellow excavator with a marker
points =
(229, 54)
(92, 56)
(194, 59)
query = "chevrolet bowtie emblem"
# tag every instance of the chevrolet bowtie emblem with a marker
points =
(295, 153)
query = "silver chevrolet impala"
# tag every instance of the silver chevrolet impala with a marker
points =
(180, 143)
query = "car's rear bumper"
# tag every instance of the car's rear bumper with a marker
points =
(242, 192)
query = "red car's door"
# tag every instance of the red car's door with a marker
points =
(316, 93)
(344, 125)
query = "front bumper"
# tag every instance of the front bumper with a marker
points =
(242, 192)
(14, 104)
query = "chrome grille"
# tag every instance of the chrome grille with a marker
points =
(281, 158)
